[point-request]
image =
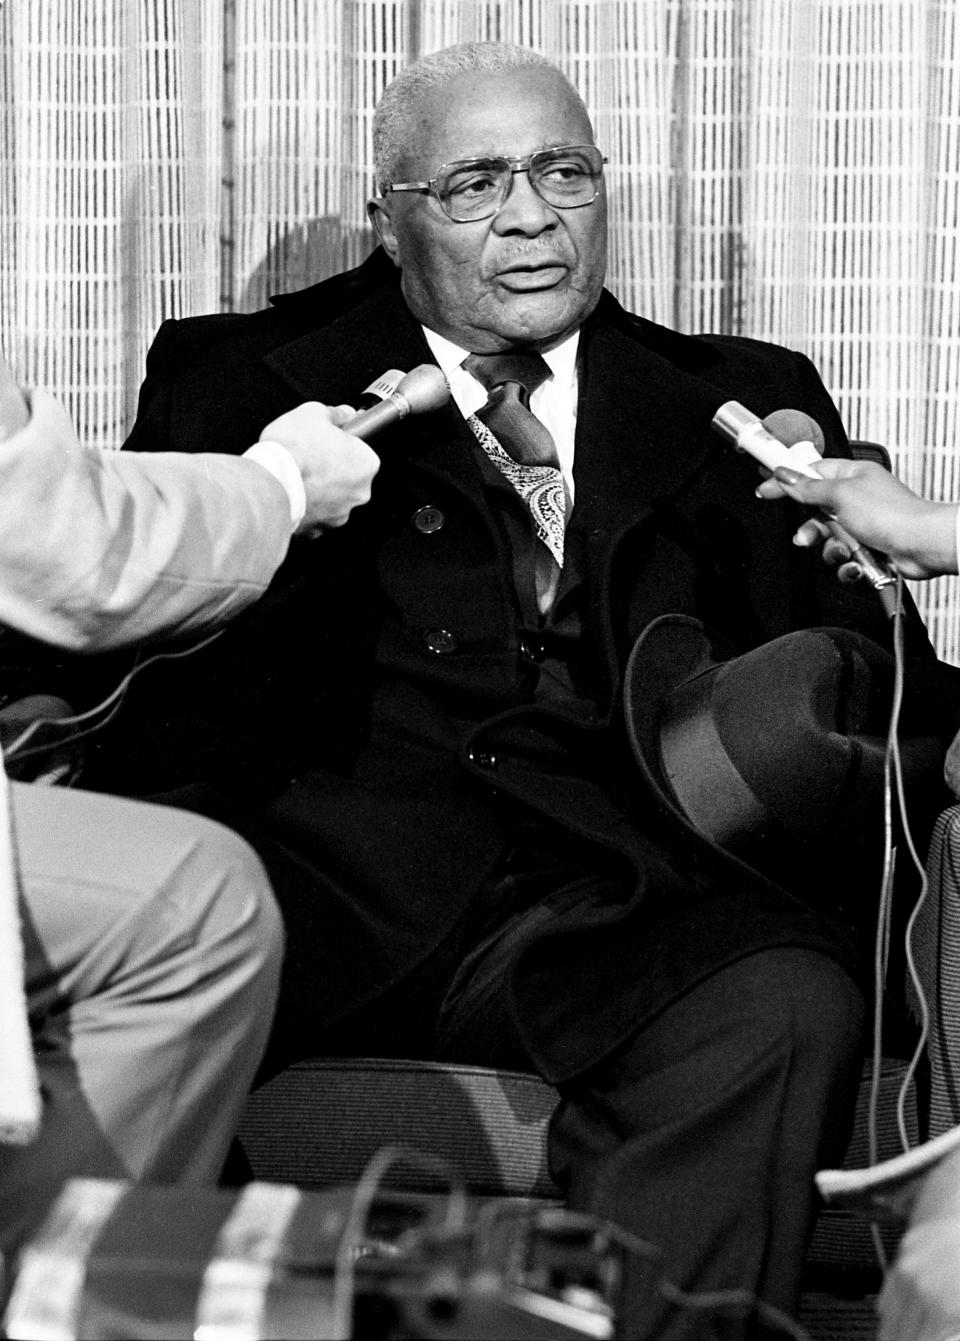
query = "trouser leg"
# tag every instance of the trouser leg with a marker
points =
(152, 948)
(702, 1136)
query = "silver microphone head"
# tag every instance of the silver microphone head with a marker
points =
(423, 388)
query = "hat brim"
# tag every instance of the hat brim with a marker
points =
(703, 724)
(673, 653)
(673, 649)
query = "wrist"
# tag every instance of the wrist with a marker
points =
(279, 461)
(934, 541)
(943, 544)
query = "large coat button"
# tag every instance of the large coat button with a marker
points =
(440, 641)
(428, 519)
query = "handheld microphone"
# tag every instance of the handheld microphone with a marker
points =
(422, 389)
(745, 431)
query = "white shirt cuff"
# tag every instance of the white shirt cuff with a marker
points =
(273, 456)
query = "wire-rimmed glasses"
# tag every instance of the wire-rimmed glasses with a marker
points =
(471, 189)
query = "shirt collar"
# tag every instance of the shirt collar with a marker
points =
(561, 360)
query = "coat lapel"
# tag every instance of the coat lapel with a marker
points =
(643, 425)
(335, 362)
(341, 357)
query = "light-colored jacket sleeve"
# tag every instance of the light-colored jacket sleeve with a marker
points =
(102, 548)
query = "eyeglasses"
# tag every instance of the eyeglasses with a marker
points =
(471, 189)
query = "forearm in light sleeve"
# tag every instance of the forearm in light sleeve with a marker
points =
(101, 548)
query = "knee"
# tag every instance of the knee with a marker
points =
(242, 923)
(806, 1001)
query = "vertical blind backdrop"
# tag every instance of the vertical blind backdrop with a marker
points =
(786, 169)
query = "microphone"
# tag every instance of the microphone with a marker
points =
(422, 389)
(768, 445)
(793, 439)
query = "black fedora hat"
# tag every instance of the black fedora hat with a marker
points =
(776, 755)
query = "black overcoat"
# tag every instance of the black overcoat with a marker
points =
(372, 713)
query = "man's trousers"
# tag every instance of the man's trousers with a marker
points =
(152, 955)
(701, 1135)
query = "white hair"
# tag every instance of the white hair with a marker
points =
(391, 135)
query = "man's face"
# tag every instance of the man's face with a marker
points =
(531, 274)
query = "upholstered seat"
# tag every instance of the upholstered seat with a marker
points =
(321, 1121)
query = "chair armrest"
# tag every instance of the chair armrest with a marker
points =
(870, 451)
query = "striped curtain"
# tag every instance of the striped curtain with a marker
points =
(789, 171)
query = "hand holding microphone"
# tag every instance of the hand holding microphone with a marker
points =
(790, 440)
(328, 444)
(918, 535)
(336, 468)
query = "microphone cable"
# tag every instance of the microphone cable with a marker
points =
(350, 1250)
(893, 787)
(19, 749)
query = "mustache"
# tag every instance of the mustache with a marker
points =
(532, 256)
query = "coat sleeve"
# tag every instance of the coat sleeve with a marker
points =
(98, 549)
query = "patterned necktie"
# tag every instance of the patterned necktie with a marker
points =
(518, 444)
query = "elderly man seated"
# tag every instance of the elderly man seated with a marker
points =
(423, 726)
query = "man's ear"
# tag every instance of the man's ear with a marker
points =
(379, 215)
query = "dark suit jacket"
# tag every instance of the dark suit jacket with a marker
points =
(368, 719)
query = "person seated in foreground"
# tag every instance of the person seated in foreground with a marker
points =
(142, 944)
(433, 728)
